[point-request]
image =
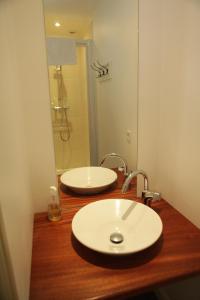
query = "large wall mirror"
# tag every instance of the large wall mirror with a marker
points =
(92, 49)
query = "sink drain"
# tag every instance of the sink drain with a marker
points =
(116, 238)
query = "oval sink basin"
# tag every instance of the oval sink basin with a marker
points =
(117, 226)
(88, 180)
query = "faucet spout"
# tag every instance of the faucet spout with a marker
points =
(131, 176)
(147, 196)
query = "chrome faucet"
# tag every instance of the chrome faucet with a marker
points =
(147, 196)
(131, 176)
(124, 168)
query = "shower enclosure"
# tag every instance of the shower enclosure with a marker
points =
(69, 109)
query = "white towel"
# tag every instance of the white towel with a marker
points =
(61, 51)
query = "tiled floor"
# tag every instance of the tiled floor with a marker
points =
(146, 296)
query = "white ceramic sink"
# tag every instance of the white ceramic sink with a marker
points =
(88, 180)
(134, 226)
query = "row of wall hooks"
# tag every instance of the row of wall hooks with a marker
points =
(102, 71)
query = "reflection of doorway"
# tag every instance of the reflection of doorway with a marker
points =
(70, 107)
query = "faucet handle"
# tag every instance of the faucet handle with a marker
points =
(149, 196)
(124, 170)
(156, 196)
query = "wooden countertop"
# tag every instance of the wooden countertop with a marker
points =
(63, 269)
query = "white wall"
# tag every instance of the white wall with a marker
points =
(169, 107)
(116, 41)
(27, 162)
(31, 57)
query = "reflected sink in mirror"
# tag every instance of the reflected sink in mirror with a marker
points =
(117, 226)
(88, 180)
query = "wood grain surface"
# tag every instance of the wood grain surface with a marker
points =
(64, 269)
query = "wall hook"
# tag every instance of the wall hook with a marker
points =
(103, 72)
(97, 70)
(105, 67)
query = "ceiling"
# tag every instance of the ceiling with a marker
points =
(71, 7)
(74, 16)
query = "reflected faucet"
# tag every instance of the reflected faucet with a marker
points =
(124, 168)
(147, 196)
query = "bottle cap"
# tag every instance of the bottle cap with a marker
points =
(53, 191)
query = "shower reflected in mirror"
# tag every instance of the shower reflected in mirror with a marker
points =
(92, 51)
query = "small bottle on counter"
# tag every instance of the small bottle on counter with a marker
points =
(54, 209)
